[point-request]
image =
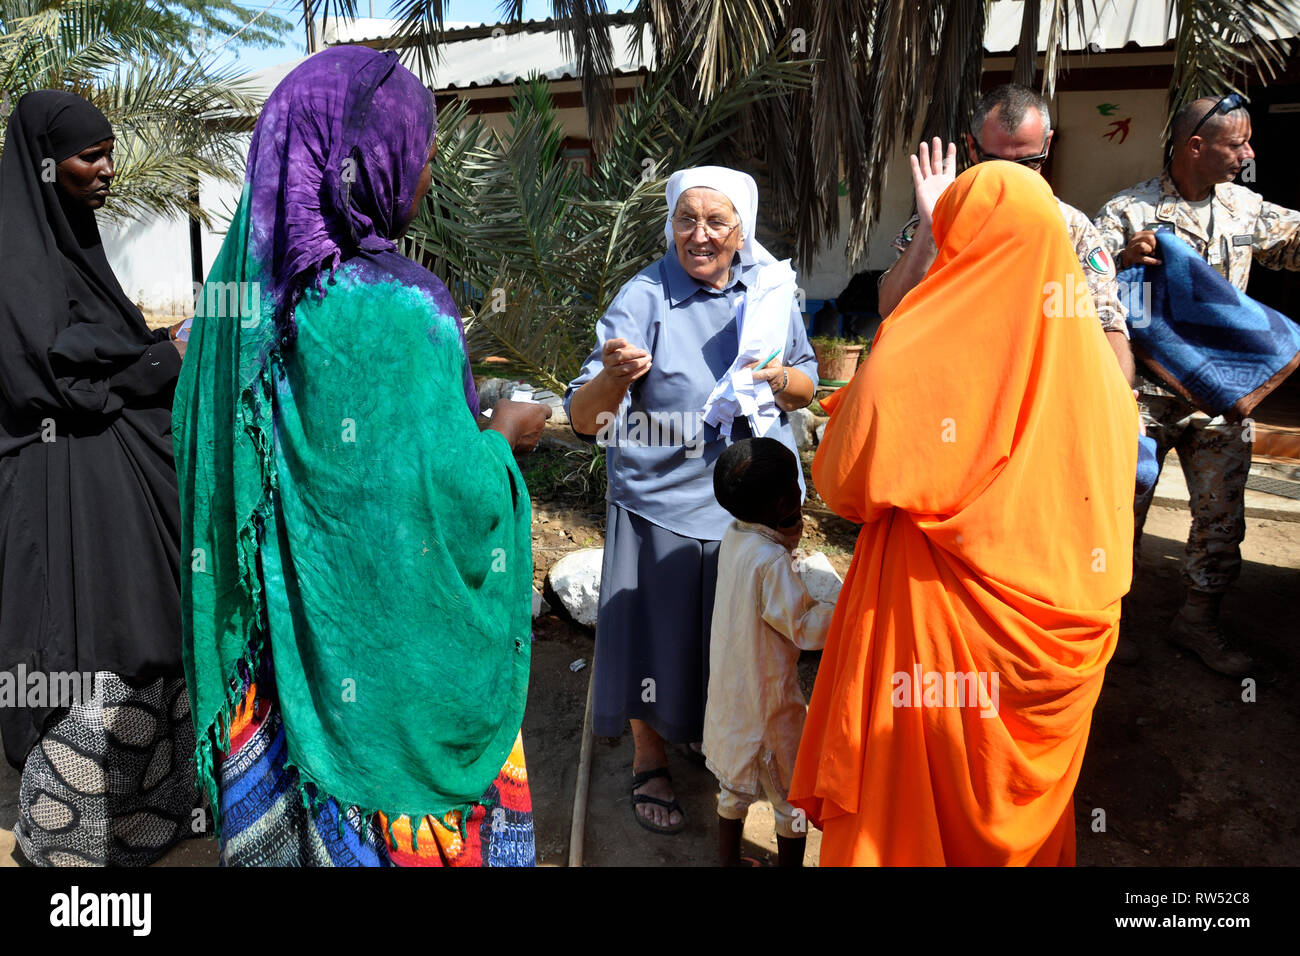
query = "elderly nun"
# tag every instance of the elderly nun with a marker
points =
(701, 348)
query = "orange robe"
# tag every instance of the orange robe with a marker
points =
(988, 446)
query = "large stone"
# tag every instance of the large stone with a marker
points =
(802, 421)
(575, 582)
(557, 408)
(492, 390)
(557, 435)
(540, 606)
(821, 431)
(821, 580)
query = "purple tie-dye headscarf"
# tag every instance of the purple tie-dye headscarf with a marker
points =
(334, 164)
(278, 505)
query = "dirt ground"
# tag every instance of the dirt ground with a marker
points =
(1184, 770)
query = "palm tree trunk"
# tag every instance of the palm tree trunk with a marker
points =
(311, 26)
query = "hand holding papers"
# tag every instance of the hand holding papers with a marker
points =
(763, 324)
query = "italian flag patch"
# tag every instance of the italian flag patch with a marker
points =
(1099, 260)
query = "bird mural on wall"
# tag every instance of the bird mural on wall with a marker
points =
(1120, 128)
(1106, 109)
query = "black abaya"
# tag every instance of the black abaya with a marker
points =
(89, 521)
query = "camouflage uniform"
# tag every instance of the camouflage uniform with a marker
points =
(1098, 268)
(1213, 452)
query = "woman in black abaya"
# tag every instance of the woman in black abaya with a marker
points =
(89, 528)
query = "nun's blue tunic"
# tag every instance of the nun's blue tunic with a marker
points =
(664, 526)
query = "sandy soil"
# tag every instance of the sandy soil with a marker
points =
(1186, 772)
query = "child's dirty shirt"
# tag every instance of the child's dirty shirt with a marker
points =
(763, 616)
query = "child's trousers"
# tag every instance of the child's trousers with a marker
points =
(789, 821)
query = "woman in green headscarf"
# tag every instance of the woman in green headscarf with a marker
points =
(357, 597)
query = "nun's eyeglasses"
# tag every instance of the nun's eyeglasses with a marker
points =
(1233, 101)
(713, 228)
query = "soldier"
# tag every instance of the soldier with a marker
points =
(1229, 225)
(1011, 122)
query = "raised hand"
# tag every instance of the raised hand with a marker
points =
(931, 175)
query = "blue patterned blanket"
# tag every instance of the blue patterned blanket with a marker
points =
(1214, 345)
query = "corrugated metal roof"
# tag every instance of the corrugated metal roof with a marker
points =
(488, 54)
(503, 59)
(370, 29)
(1108, 26)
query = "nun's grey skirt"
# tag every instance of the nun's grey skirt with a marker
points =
(652, 630)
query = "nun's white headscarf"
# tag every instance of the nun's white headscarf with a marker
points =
(763, 316)
(739, 187)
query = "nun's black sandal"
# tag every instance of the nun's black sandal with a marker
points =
(671, 806)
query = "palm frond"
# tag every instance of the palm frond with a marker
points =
(418, 36)
(442, 235)
(175, 121)
(1026, 65)
(879, 65)
(955, 70)
(1219, 44)
(73, 39)
(257, 25)
(526, 330)
(28, 47)
(174, 117)
(584, 31)
(728, 36)
(533, 249)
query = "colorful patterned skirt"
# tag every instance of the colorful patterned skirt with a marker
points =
(111, 782)
(269, 819)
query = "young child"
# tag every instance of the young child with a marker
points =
(762, 617)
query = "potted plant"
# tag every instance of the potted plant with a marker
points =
(837, 359)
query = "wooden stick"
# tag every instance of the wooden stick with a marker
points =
(578, 826)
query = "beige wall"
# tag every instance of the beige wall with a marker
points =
(1089, 168)
(573, 120)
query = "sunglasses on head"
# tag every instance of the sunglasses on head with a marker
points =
(1233, 101)
(1032, 162)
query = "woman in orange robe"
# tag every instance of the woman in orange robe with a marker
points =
(988, 448)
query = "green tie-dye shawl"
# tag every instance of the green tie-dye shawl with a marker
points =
(341, 511)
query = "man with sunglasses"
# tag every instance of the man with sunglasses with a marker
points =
(1011, 122)
(1231, 227)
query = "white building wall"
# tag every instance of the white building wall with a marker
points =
(152, 261)
(831, 269)
(151, 257)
